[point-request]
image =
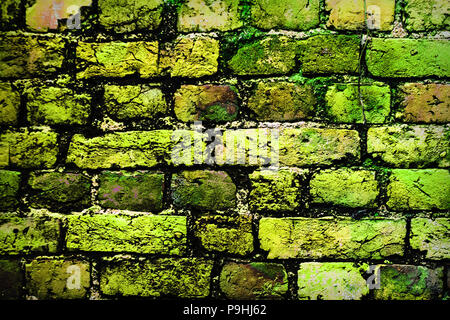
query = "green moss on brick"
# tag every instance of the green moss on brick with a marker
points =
(9, 104)
(9, 14)
(11, 279)
(9, 188)
(427, 15)
(431, 237)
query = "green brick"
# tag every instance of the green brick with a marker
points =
(427, 15)
(28, 235)
(431, 237)
(180, 278)
(343, 103)
(340, 238)
(9, 104)
(9, 188)
(325, 54)
(331, 281)
(287, 14)
(134, 102)
(203, 190)
(408, 146)
(11, 279)
(59, 190)
(424, 189)
(9, 14)
(30, 149)
(345, 187)
(407, 282)
(230, 235)
(57, 278)
(401, 58)
(138, 190)
(127, 233)
(125, 16)
(253, 281)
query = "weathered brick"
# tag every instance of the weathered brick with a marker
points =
(181, 278)
(282, 101)
(276, 191)
(9, 188)
(325, 54)
(9, 14)
(431, 236)
(425, 189)
(30, 149)
(400, 58)
(138, 191)
(407, 282)
(270, 56)
(254, 280)
(28, 235)
(331, 281)
(349, 14)
(407, 146)
(231, 235)
(126, 16)
(312, 146)
(57, 278)
(215, 103)
(343, 102)
(203, 190)
(424, 103)
(205, 15)
(59, 190)
(127, 233)
(288, 14)
(134, 102)
(9, 104)
(345, 187)
(328, 237)
(11, 279)
(427, 15)
(28, 56)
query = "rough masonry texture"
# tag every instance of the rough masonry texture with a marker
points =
(224, 150)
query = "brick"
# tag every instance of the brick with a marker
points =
(407, 282)
(9, 188)
(349, 14)
(181, 278)
(276, 191)
(269, 56)
(30, 56)
(125, 16)
(121, 149)
(253, 281)
(230, 235)
(399, 58)
(203, 190)
(11, 279)
(117, 59)
(288, 14)
(204, 15)
(9, 14)
(28, 235)
(431, 236)
(343, 103)
(216, 103)
(325, 54)
(328, 237)
(427, 15)
(126, 233)
(282, 101)
(134, 102)
(345, 187)
(407, 146)
(57, 278)
(312, 146)
(331, 281)
(57, 106)
(30, 149)
(59, 190)
(427, 103)
(43, 15)
(425, 189)
(9, 104)
(138, 190)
